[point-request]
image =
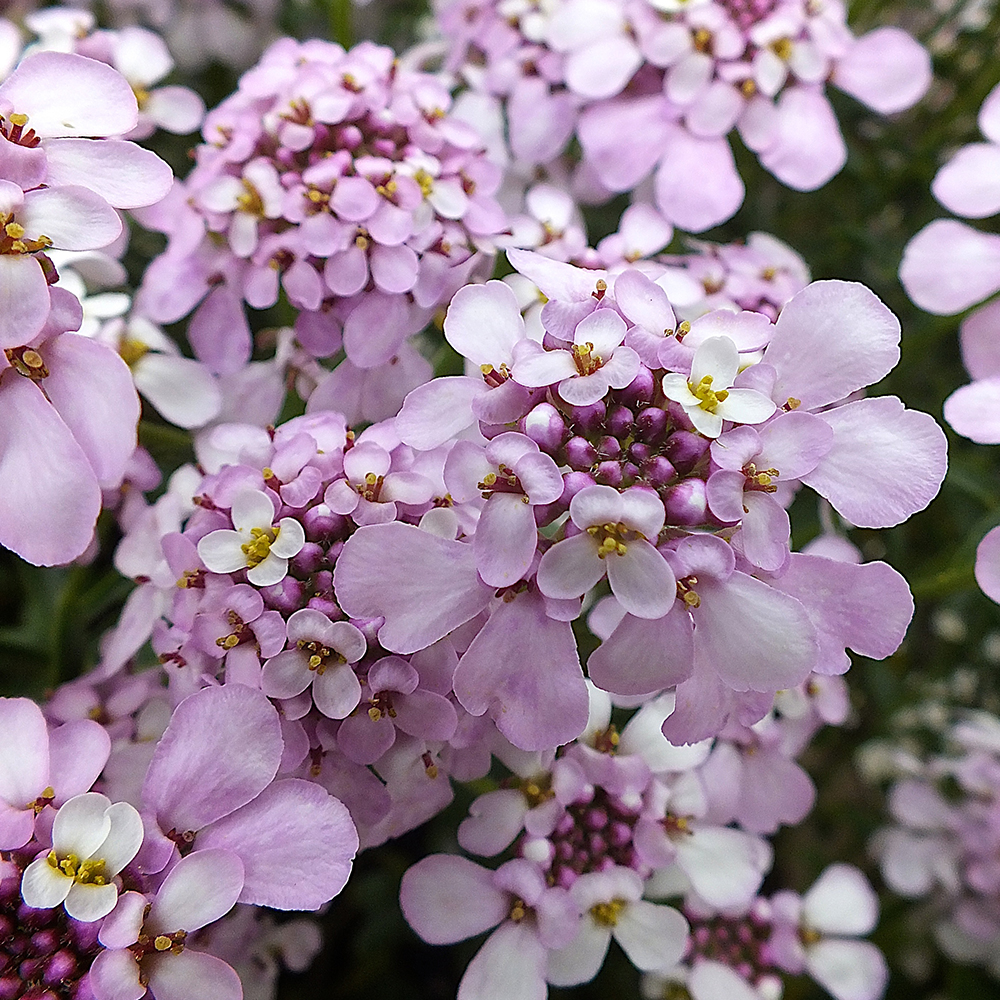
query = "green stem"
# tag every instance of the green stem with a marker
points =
(340, 22)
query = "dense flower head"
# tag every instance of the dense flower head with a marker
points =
(668, 81)
(339, 177)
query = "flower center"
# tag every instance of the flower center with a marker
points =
(611, 538)
(607, 914)
(13, 240)
(759, 482)
(320, 656)
(249, 200)
(371, 488)
(259, 546)
(502, 481)
(12, 129)
(708, 399)
(687, 593)
(586, 361)
(92, 871)
(495, 376)
(381, 705)
(28, 362)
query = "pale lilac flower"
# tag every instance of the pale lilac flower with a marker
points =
(322, 656)
(92, 841)
(145, 940)
(257, 544)
(816, 933)
(614, 538)
(582, 375)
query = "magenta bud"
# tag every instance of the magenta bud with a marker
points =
(588, 419)
(284, 596)
(545, 426)
(596, 819)
(651, 425)
(619, 421)
(678, 416)
(609, 474)
(640, 452)
(686, 503)
(685, 449)
(60, 966)
(326, 605)
(45, 941)
(309, 558)
(565, 877)
(659, 471)
(573, 482)
(619, 833)
(630, 472)
(350, 137)
(321, 523)
(580, 453)
(384, 147)
(609, 447)
(640, 390)
(10, 986)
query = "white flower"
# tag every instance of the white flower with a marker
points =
(707, 397)
(259, 545)
(92, 841)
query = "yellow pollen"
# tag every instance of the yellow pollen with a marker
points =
(16, 119)
(162, 943)
(518, 911)
(388, 190)
(611, 538)
(748, 87)
(131, 350)
(683, 330)
(267, 472)
(769, 274)
(14, 230)
(317, 197)
(259, 546)
(250, 200)
(702, 39)
(607, 914)
(361, 241)
(92, 871)
(810, 936)
(585, 360)
(782, 48)
(228, 641)
(32, 359)
(141, 96)
(708, 399)
(793, 403)
(425, 181)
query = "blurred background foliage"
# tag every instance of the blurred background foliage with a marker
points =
(854, 228)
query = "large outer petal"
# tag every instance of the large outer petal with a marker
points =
(523, 668)
(424, 586)
(92, 389)
(182, 389)
(74, 218)
(296, 842)
(988, 564)
(887, 69)
(697, 184)
(221, 749)
(755, 637)
(433, 886)
(949, 266)
(866, 607)
(65, 94)
(193, 973)
(969, 183)
(115, 976)
(122, 173)
(849, 970)
(198, 890)
(49, 495)
(832, 338)
(644, 655)
(841, 901)
(437, 410)
(886, 462)
(974, 411)
(484, 322)
(808, 149)
(642, 580)
(505, 540)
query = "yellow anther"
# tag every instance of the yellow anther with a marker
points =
(748, 87)
(259, 546)
(702, 39)
(769, 274)
(267, 472)
(316, 196)
(162, 943)
(518, 911)
(374, 713)
(141, 96)
(488, 480)
(607, 914)
(16, 119)
(32, 359)
(14, 230)
(708, 398)
(683, 330)
(131, 350)
(425, 181)
(782, 48)
(361, 241)
(250, 200)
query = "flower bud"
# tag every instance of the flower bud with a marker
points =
(619, 421)
(609, 474)
(640, 389)
(685, 449)
(588, 419)
(651, 425)
(545, 426)
(659, 471)
(686, 503)
(580, 453)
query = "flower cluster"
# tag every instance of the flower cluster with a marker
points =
(339, 179)
(98, 897)
(942, 844)
(668, 80)
(617, 818)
